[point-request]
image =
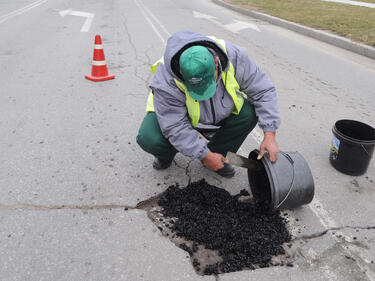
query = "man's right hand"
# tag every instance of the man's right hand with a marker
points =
(214, 161)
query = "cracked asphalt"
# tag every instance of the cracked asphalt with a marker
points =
(72, 176)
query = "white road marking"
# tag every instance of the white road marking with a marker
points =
(257, 134)
(322, 214)
(235, 27)
(207, 17)
(5, 17)
(154, 18)
(65, 12)
(89, 18)
(199, 15)
(137, 2)
(355, 3)
(331, 276)
(366, 264)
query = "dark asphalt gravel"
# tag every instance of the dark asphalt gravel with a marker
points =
(245, 234)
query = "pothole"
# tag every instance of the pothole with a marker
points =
(221, 233)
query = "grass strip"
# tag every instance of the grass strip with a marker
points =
(353, 22)
(366, 1)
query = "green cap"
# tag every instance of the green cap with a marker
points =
(197, 67)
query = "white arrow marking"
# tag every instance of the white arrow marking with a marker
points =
(202, 16)
(89, 17)
(207, 17)
(65, 12)
(235, 27)
(239, 25)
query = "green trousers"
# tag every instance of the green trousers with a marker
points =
(232, 133)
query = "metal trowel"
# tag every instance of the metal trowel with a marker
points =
(243, 162)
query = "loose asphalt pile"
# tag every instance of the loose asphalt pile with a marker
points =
(246, 235)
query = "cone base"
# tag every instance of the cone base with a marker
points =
(99, 78)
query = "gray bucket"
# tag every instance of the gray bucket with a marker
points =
(285, 184)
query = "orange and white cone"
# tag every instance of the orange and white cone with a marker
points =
(99, 70)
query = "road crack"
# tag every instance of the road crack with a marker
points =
(324, 232)
(187, 173)
(141, 63)
(64, 207)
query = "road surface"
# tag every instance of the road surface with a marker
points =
(70, 165)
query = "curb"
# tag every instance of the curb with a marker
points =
(326, 37)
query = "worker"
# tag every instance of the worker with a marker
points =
(202, 80)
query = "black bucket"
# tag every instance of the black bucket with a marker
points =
(352, 147)
(284, 184)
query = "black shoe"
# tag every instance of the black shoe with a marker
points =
(226, 172)
(160, 164)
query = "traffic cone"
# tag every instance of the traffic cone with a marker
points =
(99, 70)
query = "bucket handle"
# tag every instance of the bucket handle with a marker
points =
(287, 156)
(366, 151)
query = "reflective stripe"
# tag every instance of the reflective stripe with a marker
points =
(156, 64)
(150, 103)
(192, 105)
(98, 62)
(98, 47)
(221, 42)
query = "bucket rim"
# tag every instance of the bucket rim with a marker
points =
(271, 178)
(335, 130)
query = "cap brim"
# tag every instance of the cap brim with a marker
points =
(208, 93)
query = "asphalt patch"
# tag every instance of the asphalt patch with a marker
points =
(222, 233)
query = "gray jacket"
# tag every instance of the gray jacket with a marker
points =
(169, 101)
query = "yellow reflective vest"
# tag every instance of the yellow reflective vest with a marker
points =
(192, 105)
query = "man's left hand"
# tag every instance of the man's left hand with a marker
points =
(269, 143)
